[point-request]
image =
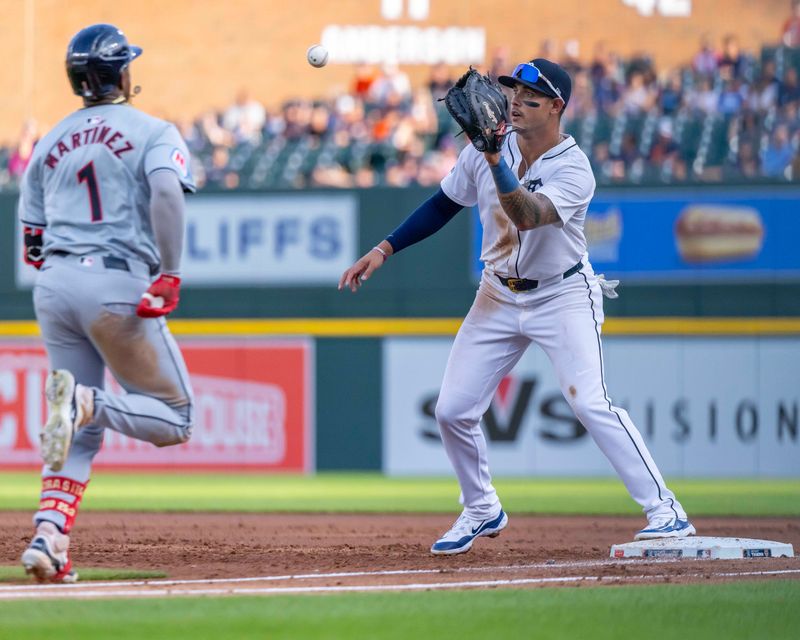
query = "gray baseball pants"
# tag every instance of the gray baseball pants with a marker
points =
(86, 309)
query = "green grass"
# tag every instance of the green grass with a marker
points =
(16, 574)
(730, 611)
(376, 493)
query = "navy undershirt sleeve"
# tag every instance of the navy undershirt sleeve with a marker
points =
(426, 220)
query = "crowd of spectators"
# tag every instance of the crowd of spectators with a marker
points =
(381, 131)
(728, 115)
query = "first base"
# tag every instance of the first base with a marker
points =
(703, 547)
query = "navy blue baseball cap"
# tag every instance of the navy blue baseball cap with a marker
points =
(542, 75)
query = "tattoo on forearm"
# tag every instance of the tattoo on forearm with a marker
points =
(528, 210)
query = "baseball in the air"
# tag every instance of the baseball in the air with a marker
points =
(317, 55)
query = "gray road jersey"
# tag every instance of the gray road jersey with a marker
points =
(86, 183)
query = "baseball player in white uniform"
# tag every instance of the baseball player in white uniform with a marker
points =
(537, 286)
(102, 209)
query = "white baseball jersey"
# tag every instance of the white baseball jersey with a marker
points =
(87, 181)
(563, 174)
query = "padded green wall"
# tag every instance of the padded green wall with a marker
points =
(431, 279)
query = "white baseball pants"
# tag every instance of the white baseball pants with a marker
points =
(563, 317)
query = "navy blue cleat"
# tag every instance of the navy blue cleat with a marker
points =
(666, 527)
(462, 534)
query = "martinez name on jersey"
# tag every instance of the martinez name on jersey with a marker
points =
(98, 134)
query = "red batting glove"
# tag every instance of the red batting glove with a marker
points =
(161, 298)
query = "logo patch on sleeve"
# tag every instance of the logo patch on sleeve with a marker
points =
(180, 162)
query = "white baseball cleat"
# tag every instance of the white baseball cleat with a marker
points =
(462, 534)
(666, 527)
(66, 414)
(47, 558)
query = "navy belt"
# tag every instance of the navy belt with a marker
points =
(112, 262)
(523, 284)
(109, 262)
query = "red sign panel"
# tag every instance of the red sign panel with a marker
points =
(253, 402)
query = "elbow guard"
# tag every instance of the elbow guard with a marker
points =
(34, 243)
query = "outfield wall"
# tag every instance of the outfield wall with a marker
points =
(703, 355)
(280, 254)
(707, 404)
(248, 414)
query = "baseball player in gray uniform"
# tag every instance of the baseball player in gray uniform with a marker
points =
(102, 211)
(537, 287)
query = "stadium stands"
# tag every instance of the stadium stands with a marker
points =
(726, 116)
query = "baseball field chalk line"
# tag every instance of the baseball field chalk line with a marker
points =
(91, 591)
(343, 574)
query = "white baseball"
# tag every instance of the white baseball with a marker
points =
(317, 55)
(156, 302)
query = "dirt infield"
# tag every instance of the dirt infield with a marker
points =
(390, 549)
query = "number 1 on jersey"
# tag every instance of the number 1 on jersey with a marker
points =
(88, 176)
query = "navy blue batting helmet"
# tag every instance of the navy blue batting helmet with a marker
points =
(96, 58)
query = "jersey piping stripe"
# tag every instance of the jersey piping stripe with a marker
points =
(608, 400)
(162, 329)
(560, 152)
(519, 235)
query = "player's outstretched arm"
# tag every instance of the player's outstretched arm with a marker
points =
(525, 209)
(424, 221)
(365, 266)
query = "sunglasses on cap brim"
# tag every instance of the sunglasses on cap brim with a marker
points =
(529, 72)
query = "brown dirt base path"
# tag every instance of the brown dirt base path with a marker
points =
(392, 549)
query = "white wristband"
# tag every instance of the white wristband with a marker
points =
(381, 251)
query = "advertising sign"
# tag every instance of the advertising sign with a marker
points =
(293, 239)
(270, 239)
(705, 407)
(253, 408)
(679, 236)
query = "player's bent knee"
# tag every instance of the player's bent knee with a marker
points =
(589, 412)
(185, 434)
(441, 414)
(182, 432)
(179, 435)
(584, 408)
(451, 414)
(185, 431)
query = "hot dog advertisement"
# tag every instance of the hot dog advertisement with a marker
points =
(715, 233)
(681, 235)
